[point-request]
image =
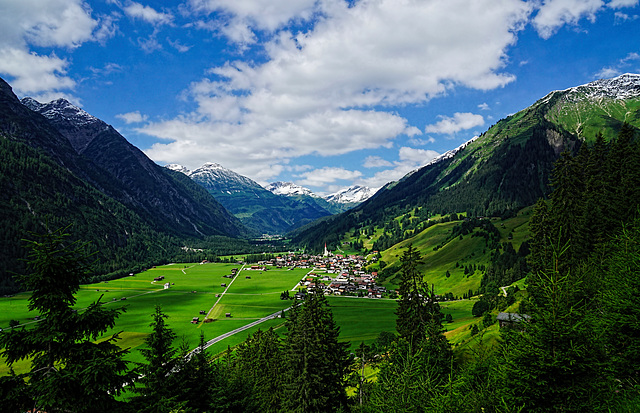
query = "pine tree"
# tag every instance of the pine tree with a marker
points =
(620, 302)
(193, 377)
(316, 363)
(551, 365)
(412, 313)
(260, 363)
(158, 392)
(69, 371)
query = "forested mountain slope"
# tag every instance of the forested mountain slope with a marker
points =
(134, 212)
(504, 169)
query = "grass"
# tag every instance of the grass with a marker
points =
(194, 288)
(362, 319)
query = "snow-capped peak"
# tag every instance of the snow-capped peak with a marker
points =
(178, 168)
(216, 174)
(288, 189)
(353, 194)
(61, 109)
(625, 86)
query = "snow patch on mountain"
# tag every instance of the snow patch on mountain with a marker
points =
(626, 86)
(178, 168)
(61, 109)
(216, 174)
(353, 194)
(289, 189)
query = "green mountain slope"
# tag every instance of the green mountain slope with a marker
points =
(112, 196)
(505, 169)
(258, 209)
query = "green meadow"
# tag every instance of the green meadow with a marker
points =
(250, 296)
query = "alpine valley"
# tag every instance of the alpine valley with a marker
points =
(277, 209)
(61, 166)
(508, 269)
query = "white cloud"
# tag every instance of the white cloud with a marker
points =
(631, 57)
(410, 159)
(617, 4)
(618, 67)
(52, 23)
(554, 14)
(483, 106)
(375, 162)
(459, 121)
(33, 73)
(417, 156)
(147, 14)
(316, 91)
(262, 14)
(107, 27)
(421, 142)
(132, 117)
(607, 72)
(327, 175)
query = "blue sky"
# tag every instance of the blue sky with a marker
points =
(323, 93)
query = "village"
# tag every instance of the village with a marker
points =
(334, 274)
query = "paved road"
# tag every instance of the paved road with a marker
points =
(238, 330)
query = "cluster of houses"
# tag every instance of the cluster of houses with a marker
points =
(334, 274)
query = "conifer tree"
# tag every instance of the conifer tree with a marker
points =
(260, 363)
(620, 302)
(316, 363)
(412, 312)
(158, 391)
(69, 371)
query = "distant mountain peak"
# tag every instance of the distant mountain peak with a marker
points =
(61, 109)
(289, 189)
(178, 168)
(625, 86)
(353, 194)
(215, 175)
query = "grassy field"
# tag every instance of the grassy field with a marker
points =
(250, 296)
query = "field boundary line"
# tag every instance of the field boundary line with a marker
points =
(222, 295)
(303, 277)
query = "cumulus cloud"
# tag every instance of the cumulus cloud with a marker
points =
(132, 117)
(554, 14)
(262, 14)
(617, 4)
(325, 91)
(147, 14)
(459, 121)
(409, 159)
(419, 157)
(327, 175)
(375, 162)
(54, 23)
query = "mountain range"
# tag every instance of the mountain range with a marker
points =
(504, 169)
(63, 167)
(277, 209)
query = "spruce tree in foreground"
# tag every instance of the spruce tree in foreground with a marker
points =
(316, 363)
(158, 384)
(69, 371)
(412, 310)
